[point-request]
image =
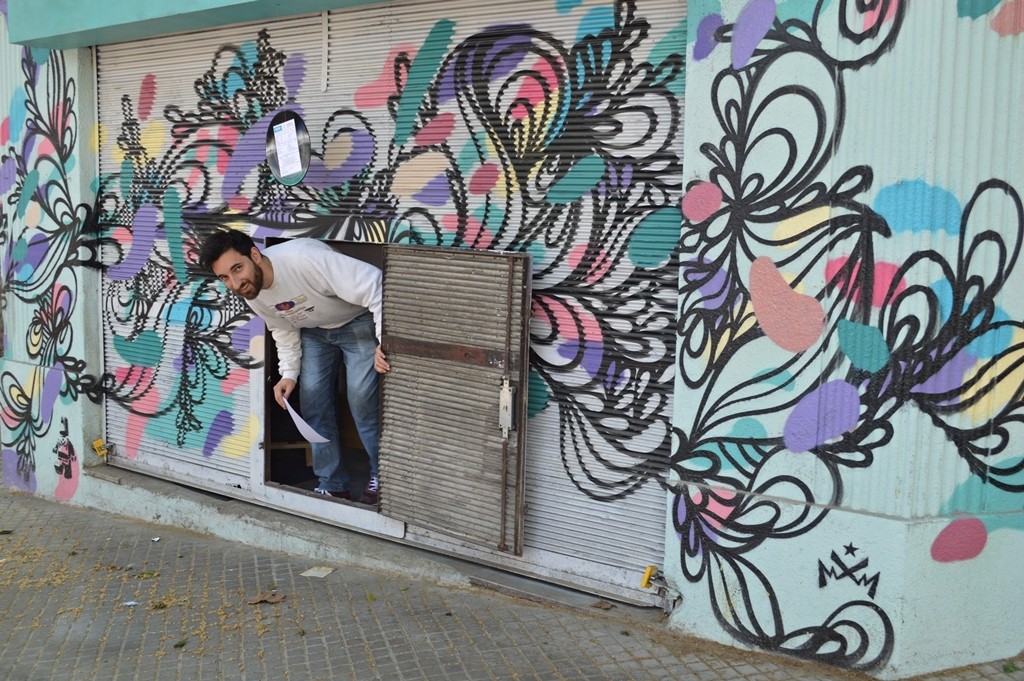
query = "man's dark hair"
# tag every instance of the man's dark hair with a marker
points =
(222, 241)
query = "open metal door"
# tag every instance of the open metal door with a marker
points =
(453, 411)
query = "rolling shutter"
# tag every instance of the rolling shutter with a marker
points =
(452, 426)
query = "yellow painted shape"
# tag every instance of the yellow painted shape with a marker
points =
(800, 223)
(240, 445)
(95, 135)
(337, 152)
(1003, 392)
(153, 134)
(417, 173)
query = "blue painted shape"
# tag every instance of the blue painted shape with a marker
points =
(595, 21)
(916, 206)
(18, 112)
(566, 6)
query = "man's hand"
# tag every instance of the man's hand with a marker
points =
(379, 363)
(282, 390)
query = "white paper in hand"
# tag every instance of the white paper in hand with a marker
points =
(305, 430)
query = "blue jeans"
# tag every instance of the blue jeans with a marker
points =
(322, 352)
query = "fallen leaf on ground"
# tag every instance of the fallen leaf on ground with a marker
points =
(603, 605)
(265, 597)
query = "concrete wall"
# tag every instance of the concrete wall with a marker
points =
(848, 472)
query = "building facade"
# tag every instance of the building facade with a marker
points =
(773, 347)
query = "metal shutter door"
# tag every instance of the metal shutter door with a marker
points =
(454, 333)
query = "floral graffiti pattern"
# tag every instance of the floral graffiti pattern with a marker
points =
(875, 338)
(568, 152)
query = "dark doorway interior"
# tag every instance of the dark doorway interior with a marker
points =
(288, 460)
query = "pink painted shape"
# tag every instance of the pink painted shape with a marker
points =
(792, 321)
(885, 272)
(46, 149)
(1010, 19)
(147, 95)
(871, 16)
(532, 91)
(701, 202)
(5, 131)
(235, 378)
(375, 93)
(66, 487)
(962, 539)
(484, 178)
(436, 131)
(239, 203)
(477, 236)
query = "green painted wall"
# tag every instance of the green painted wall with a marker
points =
(62, 24)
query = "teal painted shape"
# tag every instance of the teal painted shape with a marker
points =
(424, 68)
(566, 6)
(975, 8)
(173, 232)
(99, 22)
(40, 55)
(916, 206)
(973, 495)
(144, 351)
(798, 9)
(127, 177)
(538, 395)
(580, 179)
(782, 379)
(656, 237)
(674, 43)
(739, 446)
(864, 345)
(28, 188)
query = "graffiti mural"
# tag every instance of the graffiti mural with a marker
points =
(510, 138)
(45, 238)
(800, 349)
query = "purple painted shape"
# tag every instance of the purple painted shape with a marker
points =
(706, 43)
(242, 335)
(750, 29)
(503, 56)
(294, 73)
(826, 413)
(3, 7)
(221, 426)
(949, 377)
(360, 156)
(8, 174)
(35, 253)
(250, 146)
(143, 238)
(51, 390)
(715, 288)
(363, 148)
(12, 478)
(592, 354)
(435, 193)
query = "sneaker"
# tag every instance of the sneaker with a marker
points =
(329, 493)
(371, 494)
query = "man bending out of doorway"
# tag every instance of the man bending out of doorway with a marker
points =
(322, 308)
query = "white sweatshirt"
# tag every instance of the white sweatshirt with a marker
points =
(314, 286)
